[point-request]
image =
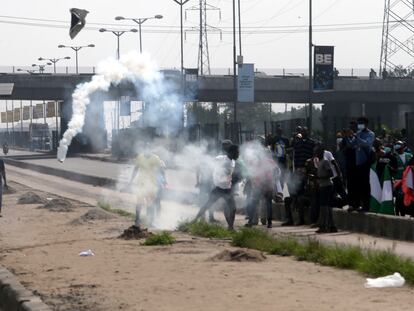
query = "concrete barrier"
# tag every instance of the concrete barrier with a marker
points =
(392, 227)
(14, 297)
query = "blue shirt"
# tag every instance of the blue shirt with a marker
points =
(362, 143)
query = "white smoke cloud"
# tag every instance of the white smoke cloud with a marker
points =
(133, 67)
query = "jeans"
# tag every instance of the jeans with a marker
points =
(252, 207)
(326, 218)
(230, 208)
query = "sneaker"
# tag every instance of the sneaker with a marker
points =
(269, 225)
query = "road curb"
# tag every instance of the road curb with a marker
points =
(15, 297)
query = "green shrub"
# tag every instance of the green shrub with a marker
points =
(163, 238)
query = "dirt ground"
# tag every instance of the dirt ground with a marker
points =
(42, 246)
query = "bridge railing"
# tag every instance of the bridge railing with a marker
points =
(287, 72)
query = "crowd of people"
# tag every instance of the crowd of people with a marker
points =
(362, 173)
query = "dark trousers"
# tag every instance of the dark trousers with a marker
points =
(1, 193)
(230, 208)
(252, 207)
(400, 208)
(359, 190)
(326, 217)
(339, 189)
(314, 207)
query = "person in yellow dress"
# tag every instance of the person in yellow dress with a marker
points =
(150, 170)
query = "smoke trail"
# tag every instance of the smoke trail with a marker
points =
(132, 67)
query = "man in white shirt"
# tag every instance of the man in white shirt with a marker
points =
(222, 178)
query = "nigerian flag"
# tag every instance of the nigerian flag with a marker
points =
(381, 192)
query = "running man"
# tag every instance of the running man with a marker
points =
(149, 168)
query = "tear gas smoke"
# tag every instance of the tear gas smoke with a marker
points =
(150, 83)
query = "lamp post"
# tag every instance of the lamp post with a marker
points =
(53, 61)
(41, 67)
(309, 123)
(76, 49)
(28, 71)
(181, 4)
(139, 21)
(118, 34)
(234, 65)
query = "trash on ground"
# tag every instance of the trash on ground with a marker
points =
(395, 280)
(87, 253)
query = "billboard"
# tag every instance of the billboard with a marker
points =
(51, 109)
(9, 116)
(3, 117)
(245, 83)
(16, 115)
(26, 113)
(38, 111)
(323, 74)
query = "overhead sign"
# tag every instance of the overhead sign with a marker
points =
(6, 89)
(245, 83)
(323, 75)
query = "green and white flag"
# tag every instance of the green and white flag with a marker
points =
(381, 192)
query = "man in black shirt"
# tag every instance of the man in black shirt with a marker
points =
(3, 176)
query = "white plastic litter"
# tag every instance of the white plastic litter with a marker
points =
(87, 253)
(395, 280)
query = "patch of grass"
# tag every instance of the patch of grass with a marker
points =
(163, 238)
(374, 263)
(205, 230)
(107, 207)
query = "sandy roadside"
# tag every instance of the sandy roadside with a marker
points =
(41, 247)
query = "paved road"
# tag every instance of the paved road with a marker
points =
(180, 180)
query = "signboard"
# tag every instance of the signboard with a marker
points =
(16, 115)
(38, 111)
(3, 117)
(245, 83)
(51, 109)
(125, 109)
(9, 116)
(323, 75)
(191, 83)
(26, 113)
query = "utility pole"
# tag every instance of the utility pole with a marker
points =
(204, 28)
(397, 47)
(309, 123)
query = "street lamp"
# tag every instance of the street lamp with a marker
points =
(53, 61)
(181, 4)
(28, 71)
(117, 33)
(310, 91)
(139, 21)
(76, 49)
(41, 67)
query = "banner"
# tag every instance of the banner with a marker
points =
(38, 111)
(191, 83)
(16, 115)
(9, 116)
(323, 74)
(51, 109)
(26, 113)
(245, 83)
(125, 109)
(3, 117)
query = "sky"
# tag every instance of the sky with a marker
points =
(264, 39)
